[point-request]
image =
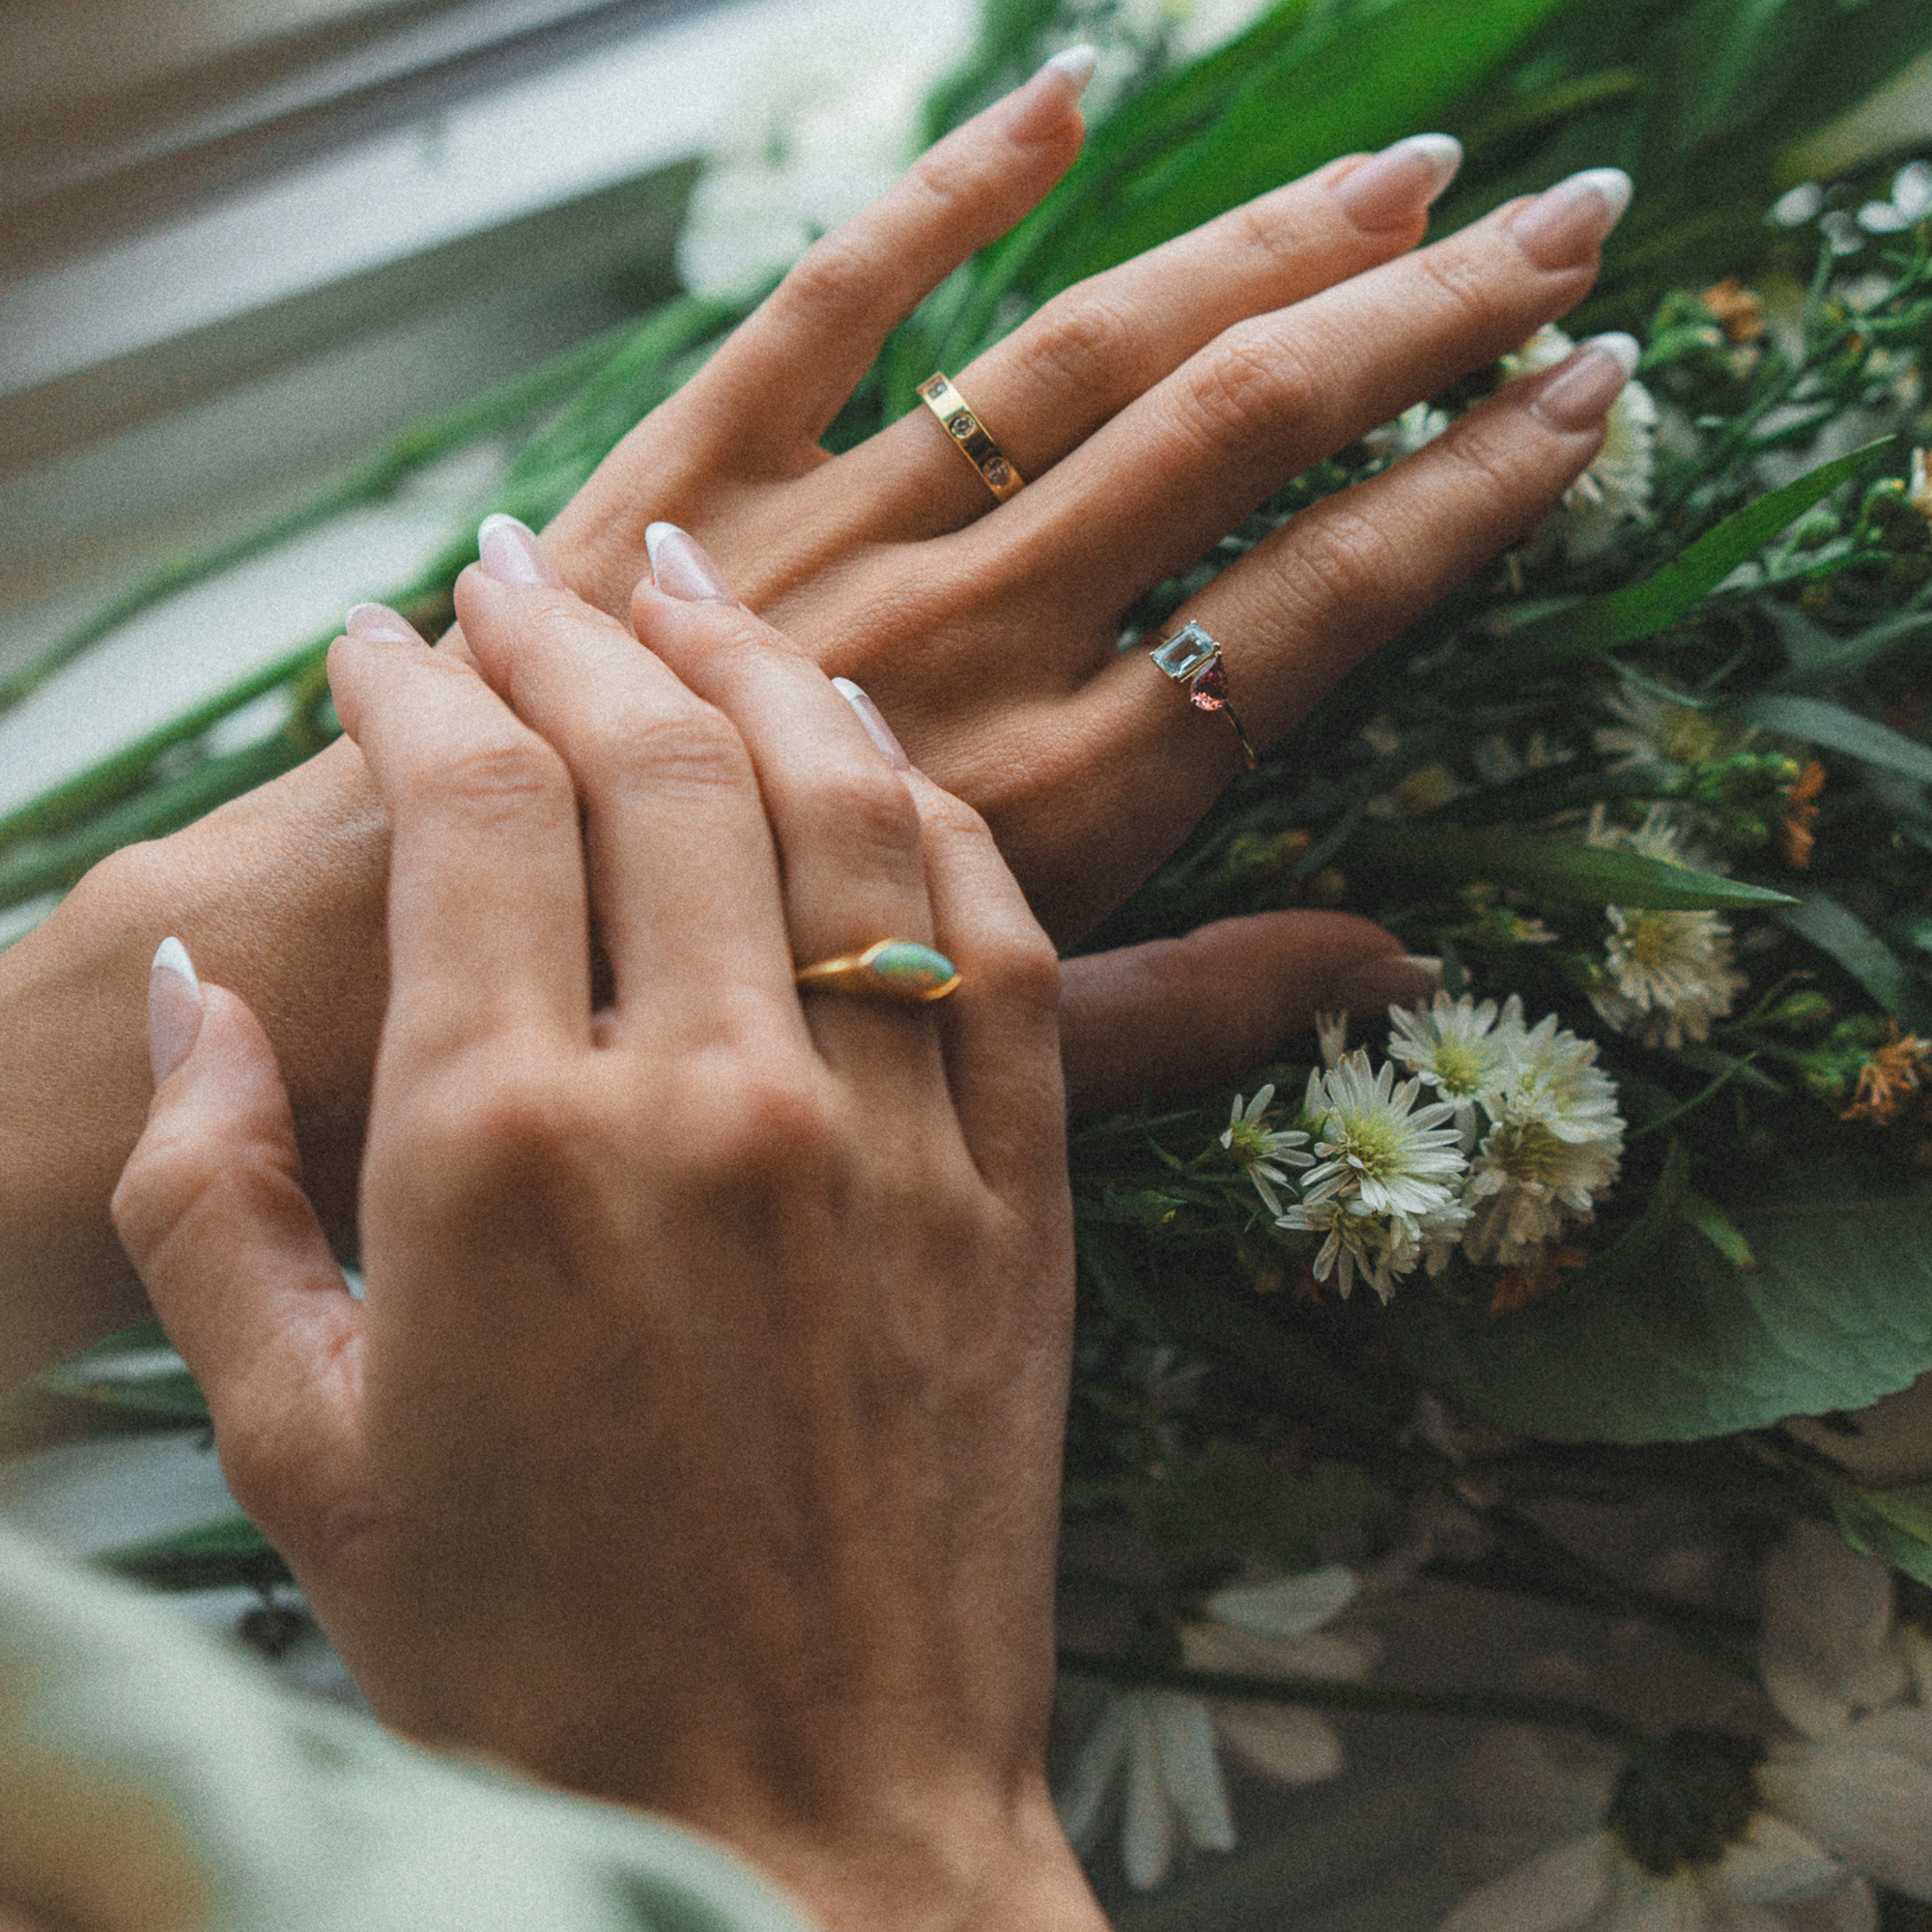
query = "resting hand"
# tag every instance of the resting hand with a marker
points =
(697, 1443)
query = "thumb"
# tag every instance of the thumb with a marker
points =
(211, 1209)
(1175, 1016)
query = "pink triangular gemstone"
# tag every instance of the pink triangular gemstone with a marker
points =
(1208, 687)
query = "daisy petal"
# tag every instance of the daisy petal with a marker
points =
(1562, 1892)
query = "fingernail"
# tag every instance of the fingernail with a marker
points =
(174, 1009)
(1393, 187)
(1389, 980)
(1039, 107)
(1564, 225)
(509, 552)
(1579, 391)
(377, 624)
(876, 728)
(682, 568)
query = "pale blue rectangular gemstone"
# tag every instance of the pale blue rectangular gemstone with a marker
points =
(1185, 652)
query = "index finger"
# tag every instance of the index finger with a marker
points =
(489, 921)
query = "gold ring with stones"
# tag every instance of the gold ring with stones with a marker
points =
(1192, 659)
(889, 969)
(969, 436)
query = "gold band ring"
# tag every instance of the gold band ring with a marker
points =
(969, 436)
(889, 969)
(1192, 659)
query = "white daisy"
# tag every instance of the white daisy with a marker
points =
(1616, 487)
(1458, 1049)
(1526, 1186)
(1263, 1154)
(1771, 1880)
(1419, 424)
(1655, 731)
(1378, 1147)
(1378, 1247)
(1665, 975)
(1858, 1776)
(1555, 1072)
(1169, 1743)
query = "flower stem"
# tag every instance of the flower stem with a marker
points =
(1341, 1693)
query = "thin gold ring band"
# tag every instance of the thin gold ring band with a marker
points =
(969, 436)
(1192, 659)
(889, 969)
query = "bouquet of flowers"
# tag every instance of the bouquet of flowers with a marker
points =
(1639, 1209)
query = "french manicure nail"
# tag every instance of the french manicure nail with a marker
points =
(1039, 107)
(1389, 980)
(683, 568)
(1563, 227)
(874, 720)
(174, 1009)
(1393, 187)
(377, 624)
(509, 552)
(1579, 391)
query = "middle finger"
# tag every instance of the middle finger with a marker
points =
(1091, 350)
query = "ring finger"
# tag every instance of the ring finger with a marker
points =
(845, 824)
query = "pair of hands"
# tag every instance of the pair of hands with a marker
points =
(1151, 407)
(716, 1251)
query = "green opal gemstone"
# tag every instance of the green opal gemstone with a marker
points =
(907, 968)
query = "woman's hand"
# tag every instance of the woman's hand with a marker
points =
(697, 1443)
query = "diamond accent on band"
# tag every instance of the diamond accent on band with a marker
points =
(1185, 653)
(1208, 690)
(961, 426)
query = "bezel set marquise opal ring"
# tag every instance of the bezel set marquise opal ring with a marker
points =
(1192, 659)
(970, 437)
(889, 969)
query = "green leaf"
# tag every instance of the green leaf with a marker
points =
(1663, 1339)
(147, 1380)
(1623, 617)
(213, 1555)
(1817, 721)
(1894, 1525)
(1351, 79)
(1547, 865)
(1866, 957)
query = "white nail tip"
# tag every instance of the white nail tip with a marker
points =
(1442, 152)
(847, 690)
(1613, 184)
(171, 956)
(499, 521)
(1626, 349)
(654, 536)
(1077, 64)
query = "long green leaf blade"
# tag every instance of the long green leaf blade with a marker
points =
(1873, 964)
(1817, 722)
(1623, 617)
(1547, 866)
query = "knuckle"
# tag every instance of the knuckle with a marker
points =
(871, 812)
(508, 1127)
(1252, 382)
(779, 1127)
(1082, 341)
(837, 270)
(1271, 227)
(1455, 278)
(502, 775)
(1346, 561)
(693, 749)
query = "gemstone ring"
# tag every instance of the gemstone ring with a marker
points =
(889, 969)
(1192, 659)
(970, 437)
